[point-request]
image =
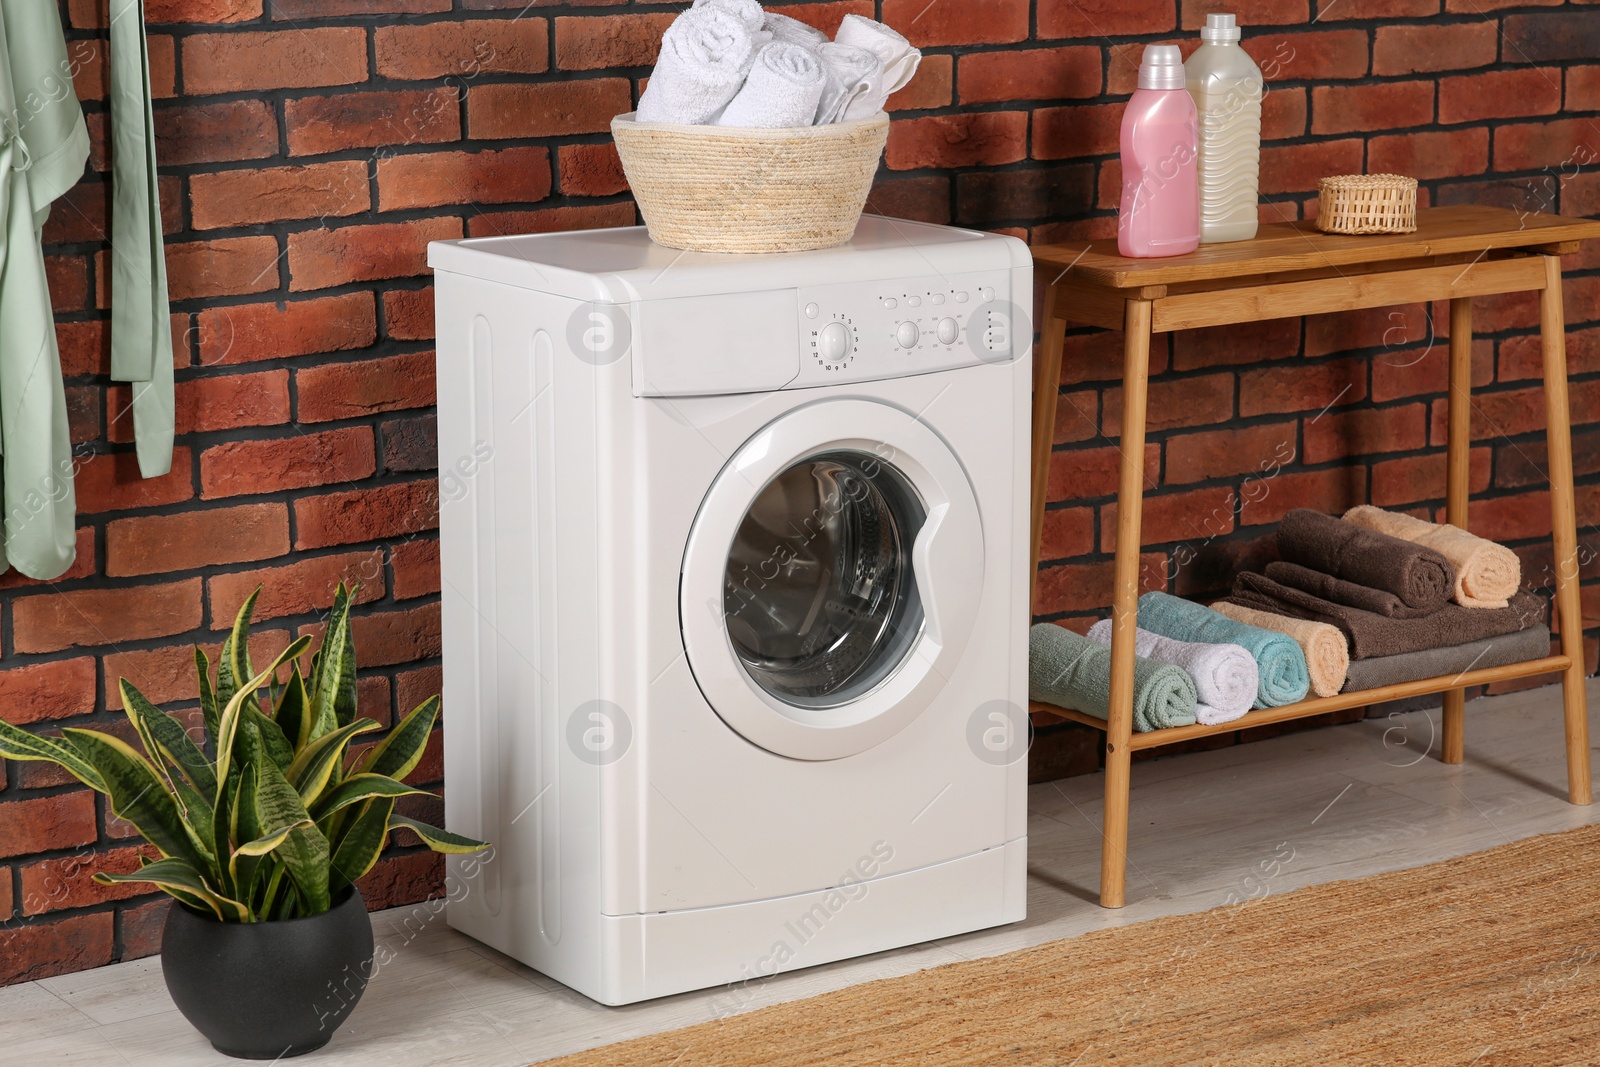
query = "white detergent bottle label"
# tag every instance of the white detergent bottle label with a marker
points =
(1227, 88)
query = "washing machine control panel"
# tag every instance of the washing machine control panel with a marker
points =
(869, 331)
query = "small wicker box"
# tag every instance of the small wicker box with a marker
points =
(1367, 203)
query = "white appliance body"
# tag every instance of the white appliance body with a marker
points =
(735, 599)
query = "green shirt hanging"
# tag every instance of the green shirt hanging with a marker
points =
(43, 147)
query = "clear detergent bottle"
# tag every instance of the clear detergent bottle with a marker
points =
(1160, 211)
(1227, 87)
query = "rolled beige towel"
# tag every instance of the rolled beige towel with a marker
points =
(1487, 574)
(1327, 653)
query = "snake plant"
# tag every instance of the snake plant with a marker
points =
(271, 819)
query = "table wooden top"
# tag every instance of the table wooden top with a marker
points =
(1297, 246)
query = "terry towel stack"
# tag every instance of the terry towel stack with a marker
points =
(1071, 671)
(1355, 565)
(1371, 634)
(1327, 655)
(705, 55)
(1282, 675)
(783, 89)
(1518, 647)
(1225, 676)
(1487, 574)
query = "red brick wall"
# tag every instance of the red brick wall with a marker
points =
(311, 148)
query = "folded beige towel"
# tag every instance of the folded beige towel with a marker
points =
(1487, 574)
(1327, 654)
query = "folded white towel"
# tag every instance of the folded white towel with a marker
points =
(793, 31)
(1225, 676)
(705, 55)
(746, 11)
(782, 90)
(853, 74)
(900, 59)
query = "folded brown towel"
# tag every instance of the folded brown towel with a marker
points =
(1519, 647)
(1340, 591)
(1416, 575)
(1372, 634)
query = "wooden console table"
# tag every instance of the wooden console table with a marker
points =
(1456, 253)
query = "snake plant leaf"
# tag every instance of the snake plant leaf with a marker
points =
(180, 880)
(276, 745)
(233, 662)
(435, 838)
(246, 859)
(305, 851)
(358, 788)
(291, 711)
(138, 795)
(18, 744)
(165, 739)
(209, 708)
(397, 755)
(228, 724)
(333, 671)
(362, 843)
(314, 765)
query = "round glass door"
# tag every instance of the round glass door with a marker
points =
(819, 598)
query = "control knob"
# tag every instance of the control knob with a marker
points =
(833, 342)
(908, 335)
(949, 331)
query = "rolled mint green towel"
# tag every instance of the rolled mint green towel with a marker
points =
(1074, 672)
(1281, 664)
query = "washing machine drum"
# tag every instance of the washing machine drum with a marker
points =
(831, 580)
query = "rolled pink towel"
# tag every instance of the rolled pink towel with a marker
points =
(1487, 575)
(1327, 652)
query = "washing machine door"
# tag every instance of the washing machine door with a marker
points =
(831, 579)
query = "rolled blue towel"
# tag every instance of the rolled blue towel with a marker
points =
(1281, 665)
(1074, 672)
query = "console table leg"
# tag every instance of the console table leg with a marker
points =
(1125, 604)
(1456, 490)
(1046, 395)
(1563, 518)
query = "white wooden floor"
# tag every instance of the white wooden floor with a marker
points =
(1260, 818)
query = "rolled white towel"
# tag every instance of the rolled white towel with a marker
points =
(1225, 676)
(855, 77)
(705, 55)
(782, 90)
(900, 59)
(793, 31)
(746, 11)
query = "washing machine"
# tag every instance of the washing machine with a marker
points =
(735, 599)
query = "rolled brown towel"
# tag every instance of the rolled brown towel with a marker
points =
(1340, 591)
(1416, 575)
(1487, 574)
(1371, 634)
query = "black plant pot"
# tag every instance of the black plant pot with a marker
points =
(263, 991)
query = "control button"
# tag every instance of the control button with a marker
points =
(833, 343)
(890, 302)
(812, 311)
(914, 301)
(961, 298)
(908, 335)
(937, 298)
(986, 294)
(949, 331)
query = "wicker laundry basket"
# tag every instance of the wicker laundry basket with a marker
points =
(730, 189)
(1367, 203)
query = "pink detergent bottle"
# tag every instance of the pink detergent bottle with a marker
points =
(1160, 212)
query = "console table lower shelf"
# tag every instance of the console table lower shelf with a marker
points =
(1304, 709)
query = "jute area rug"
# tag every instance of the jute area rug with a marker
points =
(1490, 959)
